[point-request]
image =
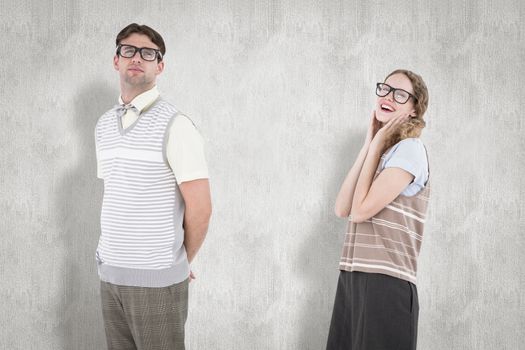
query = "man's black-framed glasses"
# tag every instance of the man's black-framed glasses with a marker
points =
(147, 53)
(400, 95)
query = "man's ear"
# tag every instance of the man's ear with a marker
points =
(160, 67)
(115, 62)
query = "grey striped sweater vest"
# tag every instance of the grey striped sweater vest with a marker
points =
(141, 241)
(390, 241)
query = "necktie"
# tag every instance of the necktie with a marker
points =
(123, 109)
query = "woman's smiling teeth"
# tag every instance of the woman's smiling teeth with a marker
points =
(387, 108)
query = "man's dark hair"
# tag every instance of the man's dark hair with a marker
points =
(155, 37)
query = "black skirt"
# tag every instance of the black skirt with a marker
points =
(373, 311)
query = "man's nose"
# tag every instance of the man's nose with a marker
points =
(136, 57)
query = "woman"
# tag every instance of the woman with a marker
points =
(385, 197)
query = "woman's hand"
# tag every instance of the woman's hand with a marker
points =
(379, 140)
(373, 126)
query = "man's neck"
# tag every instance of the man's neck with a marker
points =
(129, 93)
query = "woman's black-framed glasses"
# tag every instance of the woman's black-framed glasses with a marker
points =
(147, 53)
(400, 95)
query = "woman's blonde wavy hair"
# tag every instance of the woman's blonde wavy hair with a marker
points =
(414, 126)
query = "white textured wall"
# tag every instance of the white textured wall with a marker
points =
(282, 92)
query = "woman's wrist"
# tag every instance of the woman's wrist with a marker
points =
(366, 145)
(374, 148)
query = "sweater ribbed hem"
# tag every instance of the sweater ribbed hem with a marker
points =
(378, 269)
(144, 277)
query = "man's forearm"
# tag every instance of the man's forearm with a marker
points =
(197, 213)
(194, 234)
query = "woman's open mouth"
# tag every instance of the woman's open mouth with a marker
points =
(387, 108)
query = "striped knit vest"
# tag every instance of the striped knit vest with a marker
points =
(390, 241)
(141, 241)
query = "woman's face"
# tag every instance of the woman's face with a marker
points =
(387, 107)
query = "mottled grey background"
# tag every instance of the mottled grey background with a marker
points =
(282, 92)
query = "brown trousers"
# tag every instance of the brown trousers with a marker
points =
(141, 318)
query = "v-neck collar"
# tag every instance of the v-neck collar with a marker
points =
(144, 111)
(142, 103)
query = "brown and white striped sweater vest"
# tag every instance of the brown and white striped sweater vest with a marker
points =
(390, 241)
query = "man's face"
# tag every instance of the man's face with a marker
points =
(135, 71)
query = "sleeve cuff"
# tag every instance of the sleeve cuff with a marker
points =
(191, 177)
(403, 164)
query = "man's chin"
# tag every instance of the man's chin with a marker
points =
(135, 80)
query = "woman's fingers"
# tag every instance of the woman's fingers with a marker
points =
(395, 122)
(390, 123)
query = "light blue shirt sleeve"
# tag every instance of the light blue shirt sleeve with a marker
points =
(410, 155)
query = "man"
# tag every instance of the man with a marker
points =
(156, 206)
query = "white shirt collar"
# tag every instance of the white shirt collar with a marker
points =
(144, 99)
